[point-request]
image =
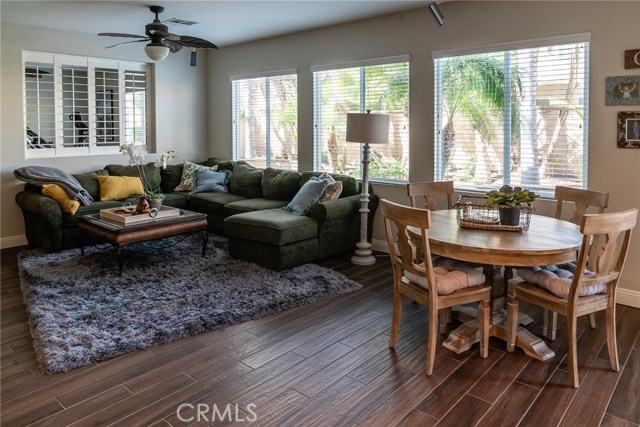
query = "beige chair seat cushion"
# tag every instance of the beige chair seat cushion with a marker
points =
(557, 279)
(451, 275)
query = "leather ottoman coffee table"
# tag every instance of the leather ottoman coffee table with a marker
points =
(121, 235)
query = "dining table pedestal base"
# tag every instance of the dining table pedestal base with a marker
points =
(464, 336)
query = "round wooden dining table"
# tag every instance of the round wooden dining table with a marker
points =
(547, 241)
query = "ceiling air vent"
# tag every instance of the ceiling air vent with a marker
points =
(178, 21)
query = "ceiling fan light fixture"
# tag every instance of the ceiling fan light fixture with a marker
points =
(156, 51)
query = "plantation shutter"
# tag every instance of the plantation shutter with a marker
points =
(79, 106)
(380, 86)
(107, 106)
(265, 119)
(135, 107)
(516, 116)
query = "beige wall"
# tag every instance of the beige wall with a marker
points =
(614, 28)
(194, 104)
(181, 107)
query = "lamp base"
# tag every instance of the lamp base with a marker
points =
(363, 254)
(363, 260)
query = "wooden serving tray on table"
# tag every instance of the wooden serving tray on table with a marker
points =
(123, 216)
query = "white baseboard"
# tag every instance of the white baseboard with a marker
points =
(628, 297)
(624, 296)
(379, 245)
(13, 241)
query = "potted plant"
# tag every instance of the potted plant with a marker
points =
(508, 199)
(153, 197)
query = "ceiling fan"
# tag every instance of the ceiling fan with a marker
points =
(162, 41)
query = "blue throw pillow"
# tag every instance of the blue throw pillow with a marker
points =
(209, 180)
(307, 196)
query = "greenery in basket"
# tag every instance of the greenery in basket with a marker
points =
(510, 196)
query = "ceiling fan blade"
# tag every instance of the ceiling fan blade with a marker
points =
(130, 41)
(172, 45)
(189, 41)
(165, 35)
(133, 36)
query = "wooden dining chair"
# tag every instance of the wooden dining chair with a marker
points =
(581, 201)
(591, 289)
(439, 287)
(429, 191)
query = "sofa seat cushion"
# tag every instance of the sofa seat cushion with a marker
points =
(274, 226)
(250, 205)
(212, 203)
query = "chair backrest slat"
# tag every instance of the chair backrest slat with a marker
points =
(604, 248)
(582, 200)
(407, 256)
(428, 191)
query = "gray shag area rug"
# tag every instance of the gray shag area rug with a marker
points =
(81, 311)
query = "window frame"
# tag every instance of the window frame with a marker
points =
(317, 104)
(577, 38)
(93, 147)
(235, 119)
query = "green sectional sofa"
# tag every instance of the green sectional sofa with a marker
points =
(251, 214)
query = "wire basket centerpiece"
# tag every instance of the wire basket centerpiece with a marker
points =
(508, 209)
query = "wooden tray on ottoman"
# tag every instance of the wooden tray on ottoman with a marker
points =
(122, 216)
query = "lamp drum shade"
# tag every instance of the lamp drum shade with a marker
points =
(368, 128)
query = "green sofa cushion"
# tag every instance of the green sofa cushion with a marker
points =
(89, 182)
(246, 180)
(250, 205)
(350, 185)
(170, 177)
(280, 184)
(221, 163)
(213, 203)
(273, 226)
(151, 174)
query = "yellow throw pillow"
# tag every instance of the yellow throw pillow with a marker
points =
(119, 187)
(57, 193)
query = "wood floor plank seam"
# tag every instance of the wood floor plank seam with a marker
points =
(377, 387)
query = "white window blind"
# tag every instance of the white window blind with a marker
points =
(265, 120)
(73, 105)
(380, 88)
(517, 117)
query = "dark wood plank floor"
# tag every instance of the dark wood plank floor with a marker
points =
(325, 364)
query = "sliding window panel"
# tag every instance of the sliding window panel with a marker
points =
(379, 86)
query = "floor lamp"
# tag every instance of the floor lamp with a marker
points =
(366, 129)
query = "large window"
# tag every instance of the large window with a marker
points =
(380, 86)
(515, 116)
(265, 120)
(76, 106)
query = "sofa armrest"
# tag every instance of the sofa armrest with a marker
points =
(337, 208)
(42, 219)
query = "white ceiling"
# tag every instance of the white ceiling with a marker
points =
(221, 22)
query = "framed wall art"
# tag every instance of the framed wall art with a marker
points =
(629, 129)
(623, 90)
(632, 58)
